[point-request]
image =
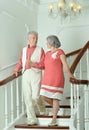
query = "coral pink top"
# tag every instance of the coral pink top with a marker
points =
(53, 79)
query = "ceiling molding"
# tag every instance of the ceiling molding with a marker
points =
(47, 1)
(29, 1)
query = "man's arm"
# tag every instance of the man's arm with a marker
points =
(39, 65)
(18, 67)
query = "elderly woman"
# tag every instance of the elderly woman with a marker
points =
(53, 78)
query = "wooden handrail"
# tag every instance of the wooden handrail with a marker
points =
(73, 53)
(10, 78)
(78, 81)
(81, 53)
(75, 63)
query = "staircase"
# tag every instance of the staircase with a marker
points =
(63, 120)
(73, 116)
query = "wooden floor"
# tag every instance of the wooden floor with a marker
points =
(41, 127)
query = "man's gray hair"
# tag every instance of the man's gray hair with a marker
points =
(54, 41)
(33, 32)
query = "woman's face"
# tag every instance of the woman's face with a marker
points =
(48, 45)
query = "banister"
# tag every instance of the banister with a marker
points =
(10, 78)
(80, 51)
(78, 81)
(73, 53)
(75, 63)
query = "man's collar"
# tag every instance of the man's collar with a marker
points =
(31, 46)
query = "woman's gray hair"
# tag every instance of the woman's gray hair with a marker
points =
(54, 41)
(33, 32)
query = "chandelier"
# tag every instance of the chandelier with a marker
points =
(64, 8)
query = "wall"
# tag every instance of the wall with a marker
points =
(16, 19)
(73, 33)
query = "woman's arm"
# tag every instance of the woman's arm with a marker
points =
(65, 65)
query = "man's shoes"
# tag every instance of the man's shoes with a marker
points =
(42, 113)
(45, 113)
(52, 124)
(32, 122)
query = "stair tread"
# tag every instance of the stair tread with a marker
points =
(41, 127)
(61, 106)
(50, 116)
(73, 97)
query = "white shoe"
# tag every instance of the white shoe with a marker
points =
(32, 122)
(51, 124)
(45, 113)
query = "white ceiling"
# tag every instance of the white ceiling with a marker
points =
(49, 1)
(85, 3)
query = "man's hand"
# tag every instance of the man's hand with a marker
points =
(15, 73)
(29, 63)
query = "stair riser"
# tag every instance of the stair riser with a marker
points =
(61, 122)
(60, 112)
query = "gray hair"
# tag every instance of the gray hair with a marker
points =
(33, 32)
(54, 41)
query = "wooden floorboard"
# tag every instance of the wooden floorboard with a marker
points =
(48, 116)
(40, 127)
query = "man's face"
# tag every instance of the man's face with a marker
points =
(32, 39)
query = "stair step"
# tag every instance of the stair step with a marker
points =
(47, 116)
(63, 121)
(25, 126)
(73, 97)
(61, 106)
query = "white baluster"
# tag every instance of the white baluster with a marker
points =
(72, 108)
(72, 111)
(86, 91)
(78, 112)
(87, 96)
(88, 64)
(74, 96)
(17, 98)
(12, 107)
(6, 108)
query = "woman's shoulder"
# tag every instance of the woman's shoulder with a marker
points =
(60, 51)
(48, 52)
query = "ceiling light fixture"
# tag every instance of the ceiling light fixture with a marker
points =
(64, 8)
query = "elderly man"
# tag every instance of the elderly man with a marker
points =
(31, 62)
